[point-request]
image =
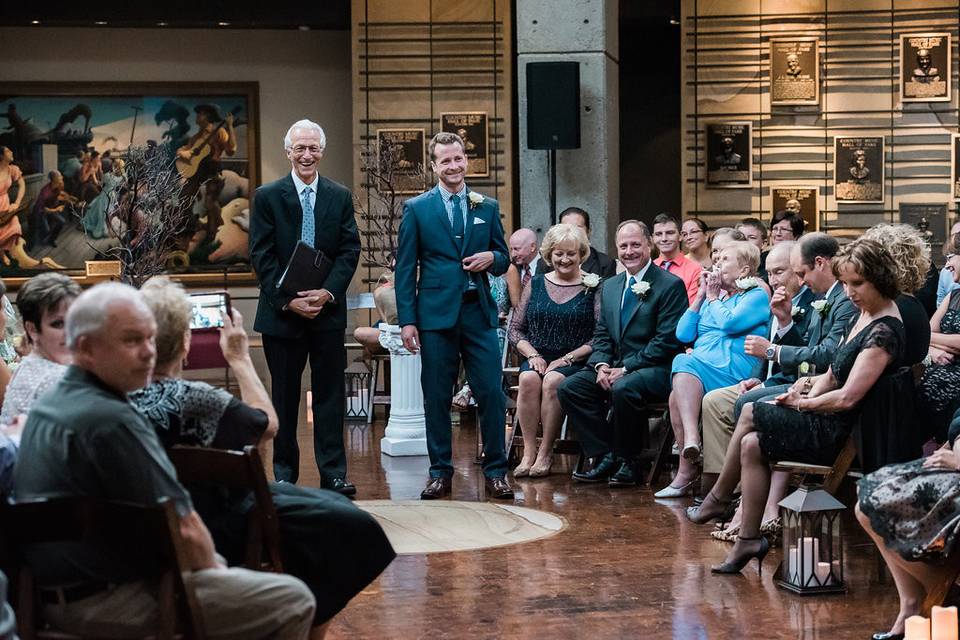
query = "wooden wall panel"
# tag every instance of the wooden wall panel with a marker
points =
(726, 78)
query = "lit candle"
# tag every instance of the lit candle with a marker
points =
(823, 573)
(917, 628)
(811, 553)
(792, 565)
(943, 623)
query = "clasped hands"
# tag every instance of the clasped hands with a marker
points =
(606, 376)
(310, 302)
(943, 458)
(709, 285)
(541, 366)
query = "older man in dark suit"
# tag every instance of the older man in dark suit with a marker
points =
(449, 239)
(305, 206)
(634, 343)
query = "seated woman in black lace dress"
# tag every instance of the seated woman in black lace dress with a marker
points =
(326, 541)
(552, 329)
(812, 428)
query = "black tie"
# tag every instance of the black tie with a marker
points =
(457, 221)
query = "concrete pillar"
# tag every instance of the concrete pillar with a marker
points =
(585, 31)
(406, 432)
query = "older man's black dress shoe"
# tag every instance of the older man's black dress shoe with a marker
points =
(886, 635)
(630, 474)
(437, 488)
(339, 485)
(605, 468)
(499, 488)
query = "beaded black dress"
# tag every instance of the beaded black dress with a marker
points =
(817, 438)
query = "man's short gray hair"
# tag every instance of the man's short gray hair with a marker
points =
(310, 125)
(89, 311)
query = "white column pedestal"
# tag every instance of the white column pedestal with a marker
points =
(406, 432)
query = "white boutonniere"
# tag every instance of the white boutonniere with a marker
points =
(475, 199)
(590, 280)
(641, 289)
(822, 307)
(745, 284)
(797, 311)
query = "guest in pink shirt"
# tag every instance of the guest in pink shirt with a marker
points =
(666, 235)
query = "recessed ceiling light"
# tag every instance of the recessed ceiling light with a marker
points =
(100, 23)
(303, 27)
(34, 22)
(674, 21)
(162, 24)
(223, 24)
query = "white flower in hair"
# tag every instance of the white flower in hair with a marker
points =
(641, 289)
(590, 280)
(475, 199)
(745, 284)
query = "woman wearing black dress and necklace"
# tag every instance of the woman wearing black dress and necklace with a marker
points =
(552, 329)
(812, 428)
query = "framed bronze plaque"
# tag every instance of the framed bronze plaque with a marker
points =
(472, 127)
(401, 157)
(858, 164)
(955, 167)
(729, 155)
(925, 67)
(930, 219)
(799, 200)
(794, 71)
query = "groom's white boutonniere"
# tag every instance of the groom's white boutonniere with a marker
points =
(641, 289)
(475, 199)
(745, 284)
(797, 311)
(590, 280)
(822, 307)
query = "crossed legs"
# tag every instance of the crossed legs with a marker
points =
(684, 404)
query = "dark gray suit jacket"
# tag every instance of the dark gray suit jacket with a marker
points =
(822, 336)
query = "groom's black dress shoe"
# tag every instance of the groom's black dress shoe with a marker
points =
(339, 485)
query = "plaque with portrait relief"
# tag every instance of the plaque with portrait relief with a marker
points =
(858, 164)
(401, 158)
(930, 219)
(729, 150)
(925, 67)
(802, 201)
(472, 128)
(794, 71)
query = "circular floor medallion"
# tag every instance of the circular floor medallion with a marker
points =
(415, 526)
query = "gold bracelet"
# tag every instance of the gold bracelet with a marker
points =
(799, 410)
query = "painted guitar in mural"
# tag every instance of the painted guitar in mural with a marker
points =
(202, 148)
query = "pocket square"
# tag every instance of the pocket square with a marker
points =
(479, 221)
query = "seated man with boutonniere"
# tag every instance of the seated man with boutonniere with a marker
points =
(730, 307)
(633, 346)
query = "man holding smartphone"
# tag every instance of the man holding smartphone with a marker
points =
(305, 206)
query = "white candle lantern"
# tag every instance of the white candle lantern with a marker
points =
(812, 542)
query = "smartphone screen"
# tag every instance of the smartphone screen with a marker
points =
(207, 310)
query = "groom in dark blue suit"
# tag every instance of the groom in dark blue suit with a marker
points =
(454, 236)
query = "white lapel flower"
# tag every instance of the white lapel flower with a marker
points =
(822, 307)
(797, 311)
(590, 280)
(745, 284)
(641, 289)
(475, 199)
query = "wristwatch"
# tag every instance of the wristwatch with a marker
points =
(770, 353)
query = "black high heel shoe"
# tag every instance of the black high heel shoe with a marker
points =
(723, 510)
(736, 566)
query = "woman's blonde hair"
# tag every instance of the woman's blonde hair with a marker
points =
(747, 254)
(171, 309)
(910, 252)
(872, 260)
(560, 233)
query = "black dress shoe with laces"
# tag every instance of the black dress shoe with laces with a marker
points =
(339, 485)
(630, 474)
(605, 468)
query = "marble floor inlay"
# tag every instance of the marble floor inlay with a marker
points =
(415, 527)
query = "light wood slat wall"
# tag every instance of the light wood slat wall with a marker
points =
(416, 59)
(725, 77)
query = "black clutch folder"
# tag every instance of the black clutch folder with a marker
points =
(307, 269)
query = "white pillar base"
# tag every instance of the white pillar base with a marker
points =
(406, 432)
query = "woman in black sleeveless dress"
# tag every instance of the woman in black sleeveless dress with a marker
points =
(812, 428)
(552, 329)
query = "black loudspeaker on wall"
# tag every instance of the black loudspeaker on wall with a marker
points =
(553, 105)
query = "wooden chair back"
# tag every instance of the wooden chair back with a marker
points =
(832, 475)
(151, 533)
(199, 466)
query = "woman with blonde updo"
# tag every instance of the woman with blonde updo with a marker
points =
(552, 329)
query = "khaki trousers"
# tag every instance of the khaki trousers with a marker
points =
(718, 426)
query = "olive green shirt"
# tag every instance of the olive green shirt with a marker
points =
(82, 438)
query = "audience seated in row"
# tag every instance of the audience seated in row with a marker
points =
(694, 234)
(666, 237)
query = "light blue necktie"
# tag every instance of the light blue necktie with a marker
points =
(630, 302)
(308, 228)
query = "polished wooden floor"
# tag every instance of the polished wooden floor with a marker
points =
(627, 566)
